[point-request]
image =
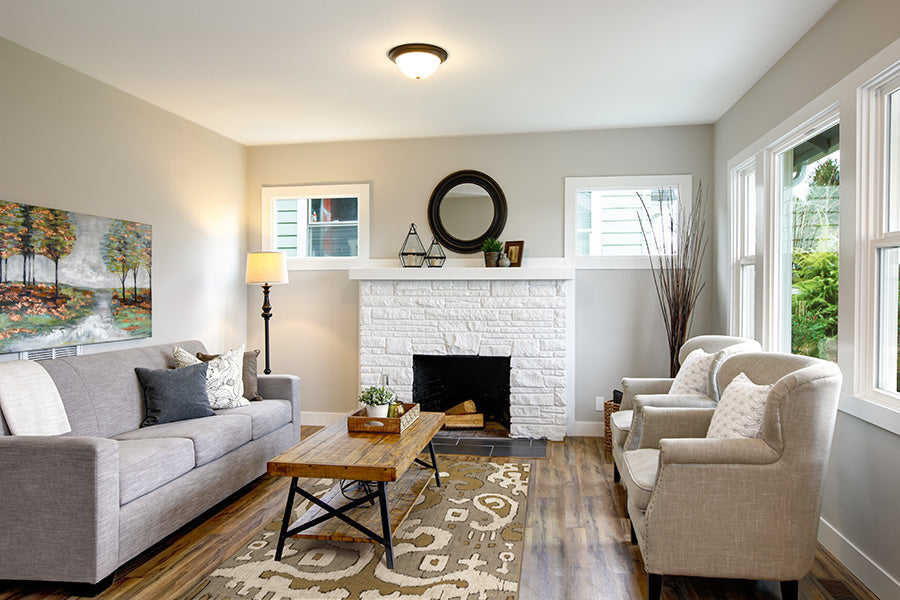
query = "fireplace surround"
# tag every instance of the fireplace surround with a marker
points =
(525, 320)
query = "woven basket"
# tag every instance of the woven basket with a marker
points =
(609, 407)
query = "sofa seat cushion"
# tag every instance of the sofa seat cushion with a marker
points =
(639, 475)
(145, 465)
(212, 436)
(266, 415)
(620, 425)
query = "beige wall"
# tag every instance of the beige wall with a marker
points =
(314, 330)
(862, 487)
(72, 143)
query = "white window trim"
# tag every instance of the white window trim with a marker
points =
(360, 190)
(574, 184)
(776, 319)
(737, 207)
(870, 214)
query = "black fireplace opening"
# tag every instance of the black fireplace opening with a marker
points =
(442, 382)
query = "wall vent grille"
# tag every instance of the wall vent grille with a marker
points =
(48, 353)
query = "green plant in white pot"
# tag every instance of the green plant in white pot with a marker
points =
(377, 400)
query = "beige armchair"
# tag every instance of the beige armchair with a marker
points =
(639, 392)
(736, 508)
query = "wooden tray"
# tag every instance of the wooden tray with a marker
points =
(360, 423)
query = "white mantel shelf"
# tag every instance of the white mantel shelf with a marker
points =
(462, 273)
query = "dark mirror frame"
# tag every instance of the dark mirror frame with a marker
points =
(444, 237)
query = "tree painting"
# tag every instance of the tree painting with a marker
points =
(63, 278)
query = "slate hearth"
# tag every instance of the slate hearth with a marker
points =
(446, 442)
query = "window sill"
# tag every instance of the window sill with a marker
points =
(876, 412)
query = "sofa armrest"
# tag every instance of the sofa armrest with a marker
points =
(283, 387)
(668, 422)
(632, 386)
(59, 518)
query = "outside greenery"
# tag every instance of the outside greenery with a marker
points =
(814, 299)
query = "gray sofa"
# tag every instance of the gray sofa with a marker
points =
(75, 507)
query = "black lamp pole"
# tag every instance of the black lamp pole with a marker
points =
(266, 315)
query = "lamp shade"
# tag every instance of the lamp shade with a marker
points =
(267, 267)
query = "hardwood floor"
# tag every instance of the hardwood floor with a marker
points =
(576, 545)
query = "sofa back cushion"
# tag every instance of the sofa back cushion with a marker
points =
(101, 392)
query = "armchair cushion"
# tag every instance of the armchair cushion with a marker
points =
(640, 475)
(693, 377)
(620, 425)
(739, 413)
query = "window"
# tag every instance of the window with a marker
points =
(744, 208)
(808, 195)
(605, 216)
(880, 188)
(317, 226)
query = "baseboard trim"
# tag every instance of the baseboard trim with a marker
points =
(587, 429)
(319, 418)
(855, 560)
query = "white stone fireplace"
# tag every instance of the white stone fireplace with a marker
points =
(521, 313)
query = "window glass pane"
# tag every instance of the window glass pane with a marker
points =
(749, 193)
(332, 240)
(888, 371)
(748, 301)
(892, 167)
(316, 227)
(811, 203)
(609, 221)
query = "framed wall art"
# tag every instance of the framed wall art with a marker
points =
(68, 278)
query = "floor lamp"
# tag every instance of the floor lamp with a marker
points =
(266, 268)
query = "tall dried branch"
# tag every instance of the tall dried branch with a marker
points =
(675, 261)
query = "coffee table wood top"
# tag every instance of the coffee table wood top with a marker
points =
(336, 453)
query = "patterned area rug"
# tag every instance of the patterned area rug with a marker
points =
(462, 541)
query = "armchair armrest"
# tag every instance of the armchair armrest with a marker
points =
(632, 386)
(716, 451)
(283, 387)
(719, 491)
(672, 422)
(59, 519)
(664, 400)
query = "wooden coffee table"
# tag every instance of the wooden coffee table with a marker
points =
(335, 453)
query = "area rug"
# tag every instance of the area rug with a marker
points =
(462, 541)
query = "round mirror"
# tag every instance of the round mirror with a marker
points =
(466, 208)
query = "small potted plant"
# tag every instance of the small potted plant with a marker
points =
(377, 400)
(491, 248)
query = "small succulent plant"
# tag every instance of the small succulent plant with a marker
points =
(376, 395)
(492, 245)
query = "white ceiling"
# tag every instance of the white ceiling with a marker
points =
(274, 71)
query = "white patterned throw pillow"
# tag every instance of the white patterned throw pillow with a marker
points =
(739, 413)
(224, 383)
(693, 376)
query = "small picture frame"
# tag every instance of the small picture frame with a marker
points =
(514, 252)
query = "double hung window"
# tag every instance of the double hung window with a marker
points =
(881, 188)
(317, 226)
(607, 218)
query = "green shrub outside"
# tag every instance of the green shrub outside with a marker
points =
(814, 304)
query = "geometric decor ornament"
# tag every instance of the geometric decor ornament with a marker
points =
(435, 256)
(412, 252)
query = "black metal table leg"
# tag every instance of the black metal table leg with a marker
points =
(386, 526)
(437, 473)
(286, 521)
(433, 465)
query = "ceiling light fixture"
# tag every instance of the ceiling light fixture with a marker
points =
(417, 60)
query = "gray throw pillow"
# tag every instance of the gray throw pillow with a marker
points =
(174, 394)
